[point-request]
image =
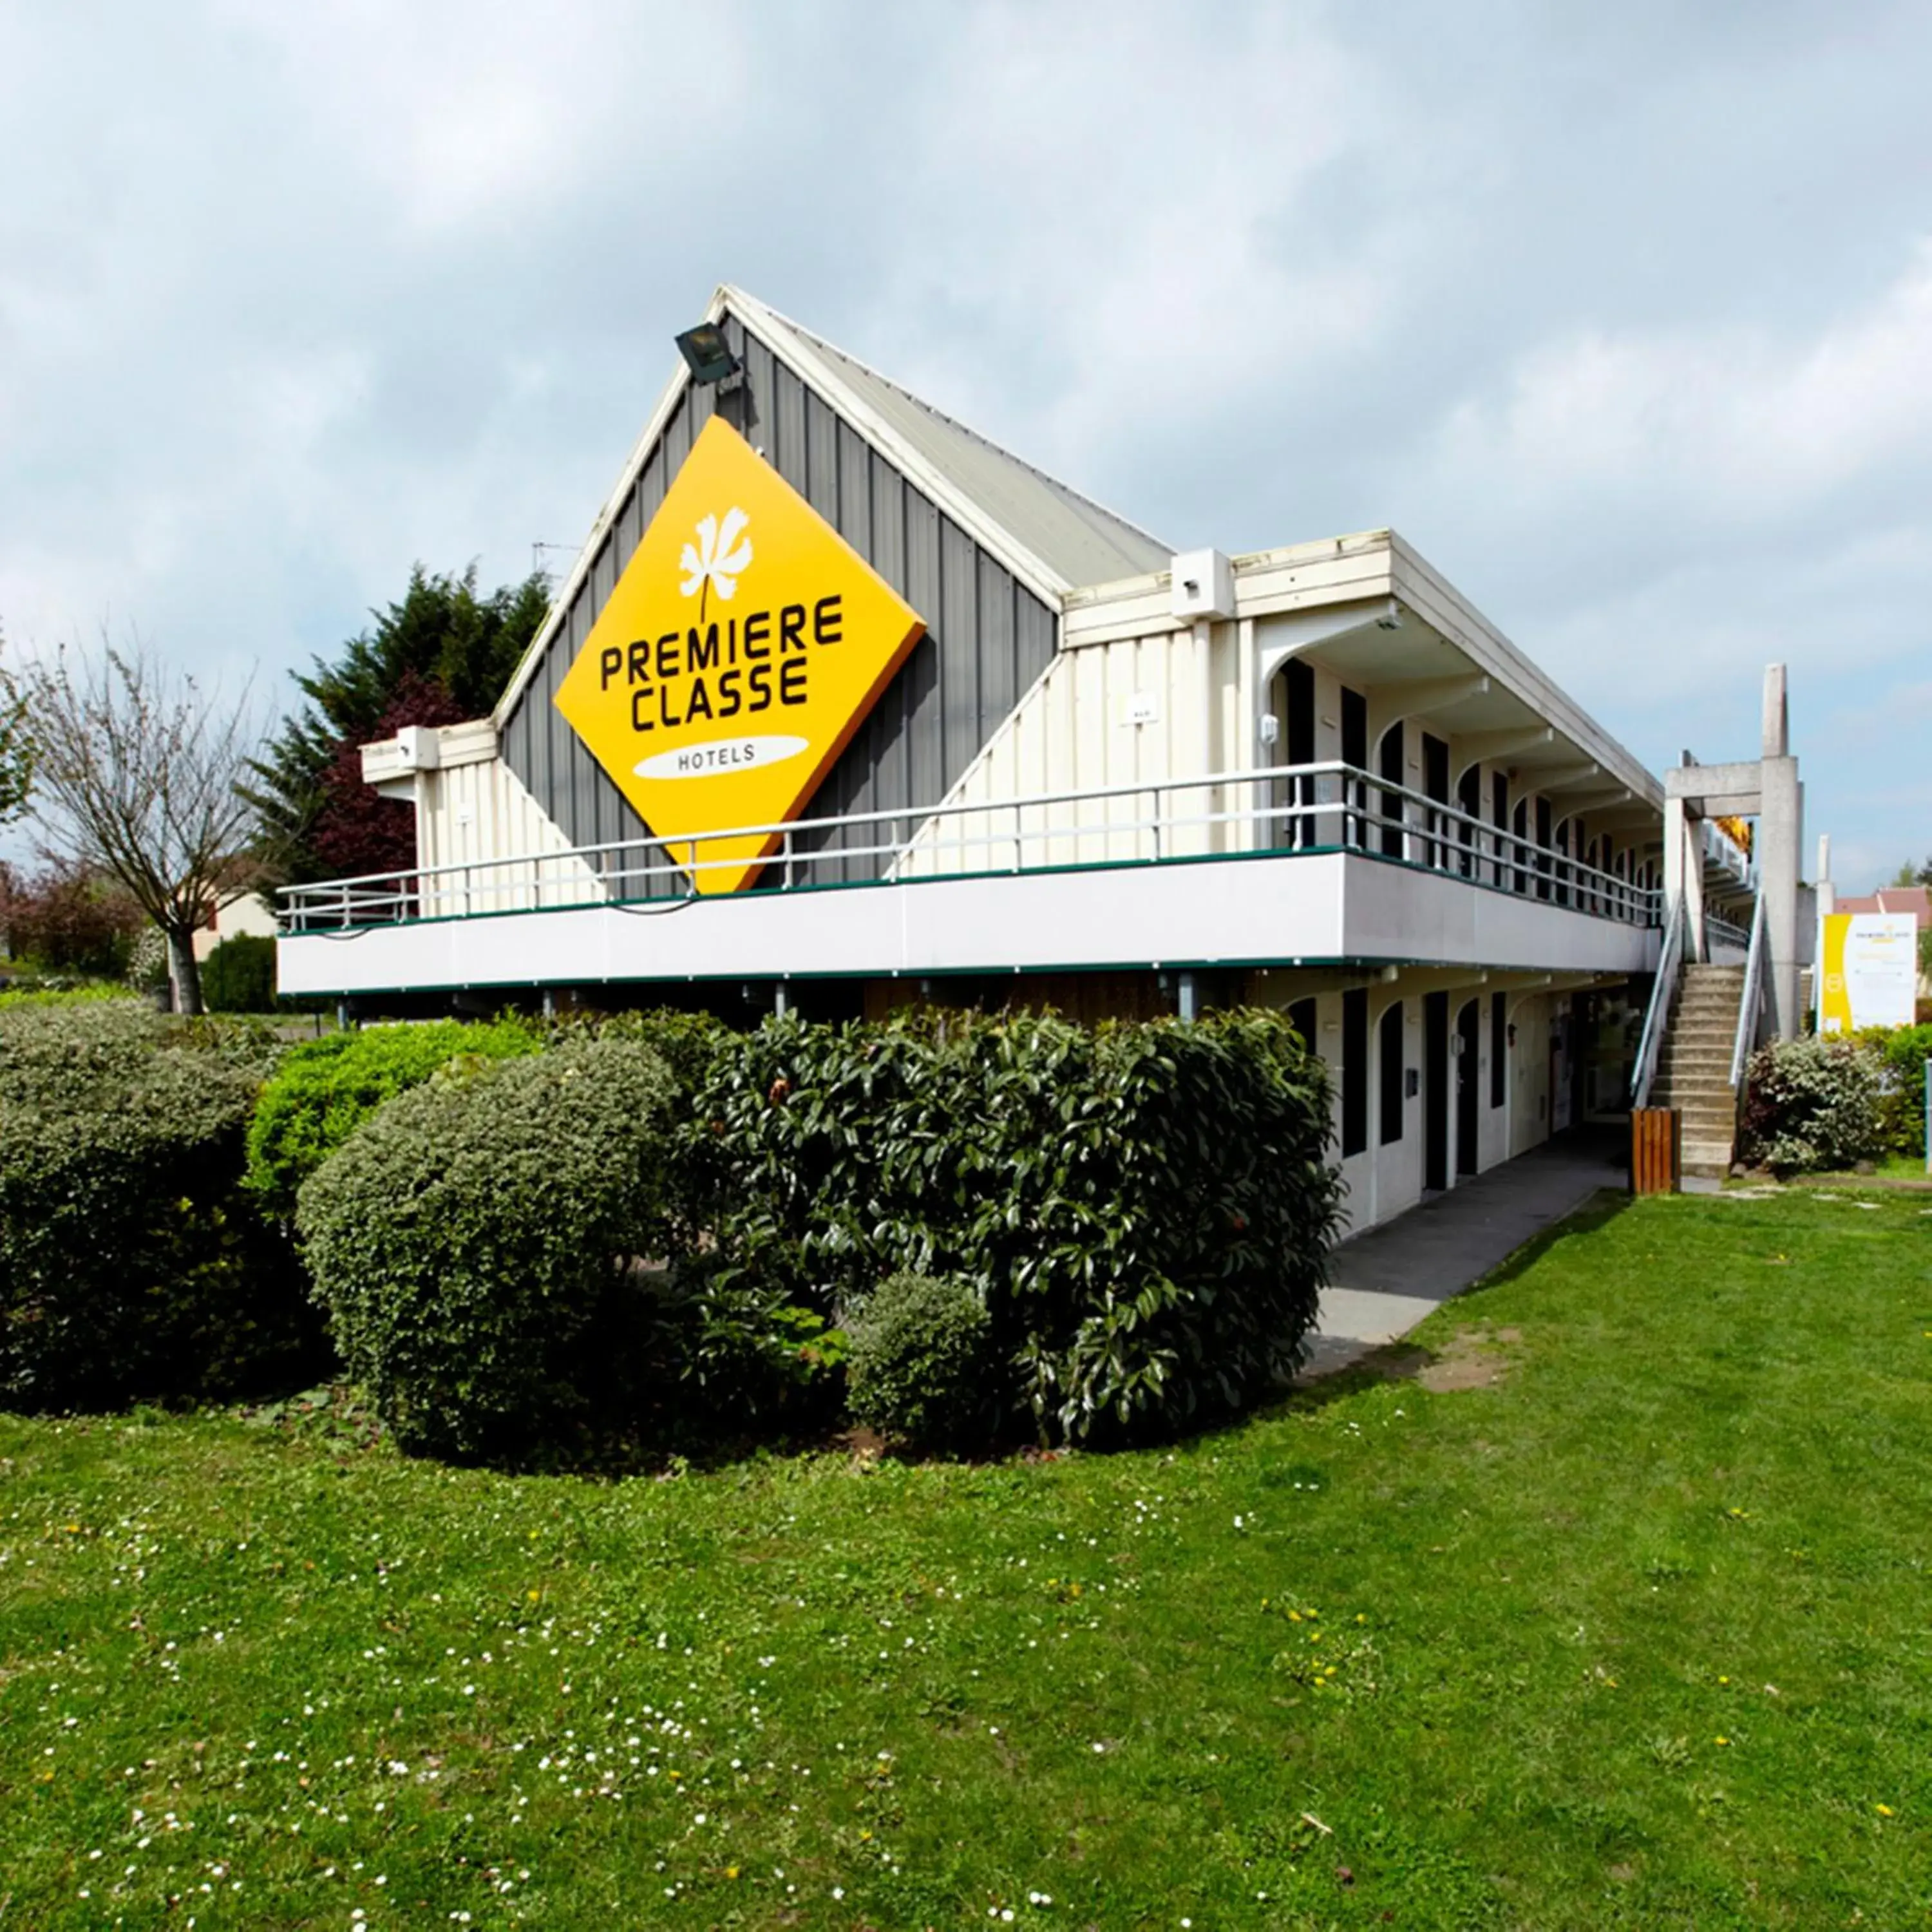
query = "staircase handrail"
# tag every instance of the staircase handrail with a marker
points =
(1650, 1043)
(1752, 999)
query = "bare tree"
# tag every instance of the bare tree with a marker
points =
(135, 772)
(16, 748)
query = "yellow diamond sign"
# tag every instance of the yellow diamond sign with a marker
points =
(743, 646)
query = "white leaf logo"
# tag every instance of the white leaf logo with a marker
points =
(712, 559)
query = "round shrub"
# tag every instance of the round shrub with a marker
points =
(474, 1239)
(325, 1089)
(1813, 1106)
(919, 1364)
(131, 1263)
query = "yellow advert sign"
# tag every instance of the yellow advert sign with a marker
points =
(743, 647)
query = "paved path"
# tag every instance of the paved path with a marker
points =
(1383, 1283)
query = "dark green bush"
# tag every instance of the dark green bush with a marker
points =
(687, 1043)
(239, 976)
(325, 1089)
(478, 1242)
(1812, 1106)
(131, 1264)
(724, 1351)
(1144, 1210)
(917, 1364)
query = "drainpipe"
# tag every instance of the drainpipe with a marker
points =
(1187, 1002)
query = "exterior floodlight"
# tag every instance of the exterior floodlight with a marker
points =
(706, 353)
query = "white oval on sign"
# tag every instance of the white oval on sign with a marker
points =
(720, 755)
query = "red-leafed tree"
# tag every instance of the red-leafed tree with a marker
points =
(357, 831)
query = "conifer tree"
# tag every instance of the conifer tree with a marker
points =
(440, 653)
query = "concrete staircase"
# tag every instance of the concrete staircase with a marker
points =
(1694, 1071)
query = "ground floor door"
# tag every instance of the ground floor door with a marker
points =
(1435, 1090)
(1469, 1057)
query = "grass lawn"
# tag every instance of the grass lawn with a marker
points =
(1637, 1631)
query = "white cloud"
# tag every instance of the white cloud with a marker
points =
(1636, 351)
(1731, 414)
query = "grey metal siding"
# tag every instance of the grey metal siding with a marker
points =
(988, 637)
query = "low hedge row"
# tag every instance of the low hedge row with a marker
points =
(522, 1231)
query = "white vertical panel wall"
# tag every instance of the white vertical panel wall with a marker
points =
(1131, 711)
(479, 813)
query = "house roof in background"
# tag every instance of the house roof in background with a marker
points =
(1915, 899)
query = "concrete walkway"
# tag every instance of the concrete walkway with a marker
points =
(1383, 1283)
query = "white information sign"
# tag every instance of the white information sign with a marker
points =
(1869, 970)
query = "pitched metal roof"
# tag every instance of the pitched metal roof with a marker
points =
(1078, 541)
(1052, 537)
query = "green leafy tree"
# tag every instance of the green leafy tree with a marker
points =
(442, 638)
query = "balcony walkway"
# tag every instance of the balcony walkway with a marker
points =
(1386, 1280)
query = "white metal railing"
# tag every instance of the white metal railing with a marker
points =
(1717, 927)
(1657, 1018)
(1751, 1001)
(1723, 853)
(1313, 807)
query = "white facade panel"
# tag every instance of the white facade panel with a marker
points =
(1327, 906)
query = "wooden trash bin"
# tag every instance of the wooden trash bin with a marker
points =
(1654, 1150)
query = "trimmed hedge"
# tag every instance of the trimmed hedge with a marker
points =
(131, 1264)
(325, 1089)
(477, 1243)
(1144, 1209)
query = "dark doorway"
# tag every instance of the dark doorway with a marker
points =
(1435, 783)
(1468, 1055)
(1469, 803)
(1435, 1091)
(1393, 814)
(1298, 682)
(1301, 1017)
(1355, 752)
(1354, 1071)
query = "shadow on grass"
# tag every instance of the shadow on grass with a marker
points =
(1404, 1361)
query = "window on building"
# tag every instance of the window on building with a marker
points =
(1392, 1073)
(1499, 1049)
(1354, 1071)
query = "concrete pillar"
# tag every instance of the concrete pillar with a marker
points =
(781, 998)
(1780, 837)
(1187, 999)
(1781, 833)
(1828, 895)
(1684, 871)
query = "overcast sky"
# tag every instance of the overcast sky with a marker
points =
(1622, 316)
